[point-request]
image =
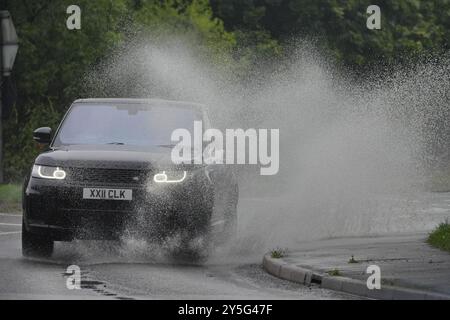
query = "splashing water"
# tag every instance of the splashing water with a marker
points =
(354, 157)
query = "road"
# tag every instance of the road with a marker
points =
(136, 270)
(132, 272)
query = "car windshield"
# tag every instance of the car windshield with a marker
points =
(128, 124)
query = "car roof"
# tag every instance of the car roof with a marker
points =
(140, 101)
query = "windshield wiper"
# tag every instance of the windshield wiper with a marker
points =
(117, 143)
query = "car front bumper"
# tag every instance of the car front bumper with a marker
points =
(56, 208)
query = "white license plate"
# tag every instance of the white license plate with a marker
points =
(107, 194)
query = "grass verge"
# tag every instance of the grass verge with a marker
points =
(278, 253)
(440, 181)
(334, 273)
(10, 198)
(440, 237)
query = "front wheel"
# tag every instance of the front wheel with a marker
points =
(34, 245)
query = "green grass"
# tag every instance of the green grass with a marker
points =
(440, 181)
(278, 253)
(334, 273)
(10, 197)
(440, 237)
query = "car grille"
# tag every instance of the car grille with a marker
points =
(102, 176)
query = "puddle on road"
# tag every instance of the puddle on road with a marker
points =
(97, 286)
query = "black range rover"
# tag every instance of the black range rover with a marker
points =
(107, 173)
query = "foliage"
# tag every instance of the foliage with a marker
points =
(408, 27)
(352, 260)
(52, 59)
(192, 21)
(440, 237)
(440, 180)
(10, 197)
(20, 149)
(278, 253)
(334, 273)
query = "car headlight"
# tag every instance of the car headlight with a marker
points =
(47, 172)
(170, 177)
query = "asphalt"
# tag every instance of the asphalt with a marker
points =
(139, 271)
(135, 272)
(407, 263)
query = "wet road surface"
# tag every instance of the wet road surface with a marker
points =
(132, 272)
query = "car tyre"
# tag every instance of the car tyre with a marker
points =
(34, 245)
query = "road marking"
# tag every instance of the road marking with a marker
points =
(12, 232)
(10, 224)
(10, 214)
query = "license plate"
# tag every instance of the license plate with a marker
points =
(107, 194)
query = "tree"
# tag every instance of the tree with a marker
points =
(53, 60)
(409, 27)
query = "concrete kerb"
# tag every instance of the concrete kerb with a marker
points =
(287, 271)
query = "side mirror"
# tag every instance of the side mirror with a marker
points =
(43, 135)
